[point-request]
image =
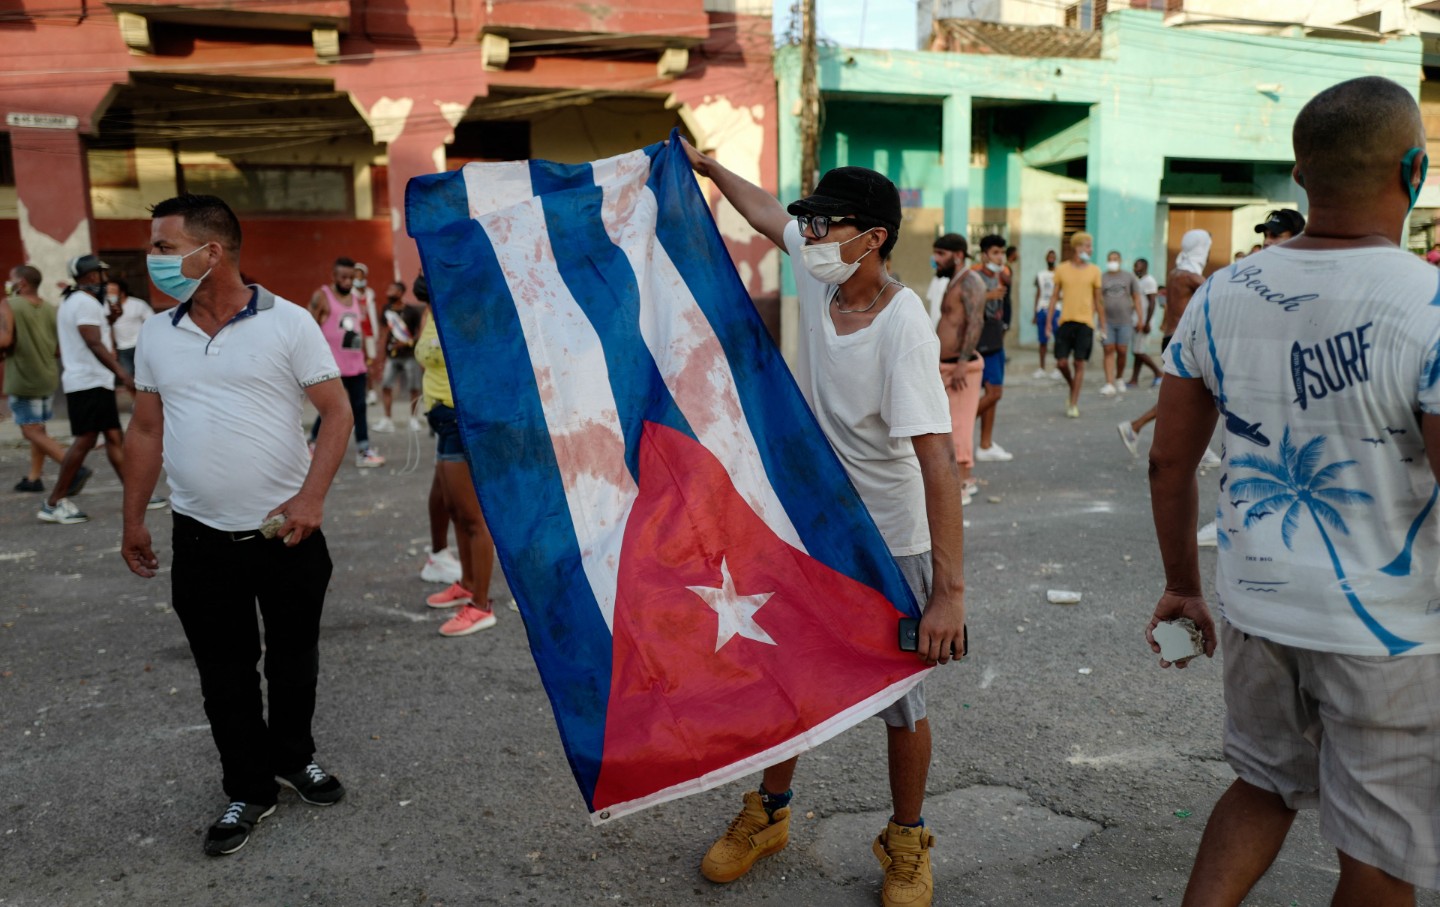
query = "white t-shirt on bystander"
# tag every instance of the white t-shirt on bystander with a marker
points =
(1045, 283)
(872, 391)
(934, 296)
(83, 370)
(133, 313)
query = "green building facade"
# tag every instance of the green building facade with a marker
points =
(1156, 130)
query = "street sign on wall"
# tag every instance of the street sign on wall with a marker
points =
(42, 120)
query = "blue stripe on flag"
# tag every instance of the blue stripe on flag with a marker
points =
(502, 422)
(804, 473)
(548, 176)
(600, 278)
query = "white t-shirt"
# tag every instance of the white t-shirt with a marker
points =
(1319, 361)
(1045, 283)
(872, 391)
(234, 447)
(1148, 287)
(934, 296)
(127, 327)
(83, 371)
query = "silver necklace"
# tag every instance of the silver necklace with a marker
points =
(835, 300)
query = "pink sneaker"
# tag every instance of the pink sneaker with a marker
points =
(469, 620)
(456, 594)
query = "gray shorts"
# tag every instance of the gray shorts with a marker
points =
(904, 712)
(1353, 735)
(1120, 334)
(406, 370)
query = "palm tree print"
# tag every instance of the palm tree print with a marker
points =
(1296, 484)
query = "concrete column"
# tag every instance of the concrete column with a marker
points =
(418, 150)
(955, 160)
(52, 189)
(1124, 178)
(787, 89)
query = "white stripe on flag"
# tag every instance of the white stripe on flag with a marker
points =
(495, 187)
(682, 341)
(574, 383)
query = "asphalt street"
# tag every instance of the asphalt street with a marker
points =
(1069, 768)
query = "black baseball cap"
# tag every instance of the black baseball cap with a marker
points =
(951, 242)
(421, 288)
(853, 190)
(1284, 220)
(83, 265)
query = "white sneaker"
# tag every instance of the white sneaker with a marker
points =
(441, 567)
(1040, 374)
(415, 424)
(1210, 460)
(368, 459)
(370, 398)
(1056, 376)
(1107, 390)
(993, 454)
(384, 425)
(1128, 436)
(1207, 535)
(1119, 387)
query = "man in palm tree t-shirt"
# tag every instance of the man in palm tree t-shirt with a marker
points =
(1322, 355)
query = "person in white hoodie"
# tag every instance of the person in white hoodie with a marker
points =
(1184, 280)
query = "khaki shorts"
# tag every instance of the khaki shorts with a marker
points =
(1356, 736)
(904, 712)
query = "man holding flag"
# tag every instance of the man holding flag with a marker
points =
(868, 365)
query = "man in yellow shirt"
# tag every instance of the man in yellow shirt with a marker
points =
(1077, 281)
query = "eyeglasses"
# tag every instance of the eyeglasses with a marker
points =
(819, 224)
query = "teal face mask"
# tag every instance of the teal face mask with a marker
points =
(1407, 164)
(166, 274)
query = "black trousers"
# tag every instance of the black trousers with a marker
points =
(217, 582)
(354, 389)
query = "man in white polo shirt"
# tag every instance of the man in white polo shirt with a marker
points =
(221, 384)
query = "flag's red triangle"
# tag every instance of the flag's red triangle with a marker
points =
(679, 709)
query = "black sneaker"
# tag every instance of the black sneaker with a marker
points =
(232, 829)
(314, 785)
(29, 485)
(77, 484)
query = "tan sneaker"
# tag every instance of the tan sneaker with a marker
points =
(752, 834)
(904, 854)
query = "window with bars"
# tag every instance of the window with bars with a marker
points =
(1086, 15)
(1072, 221)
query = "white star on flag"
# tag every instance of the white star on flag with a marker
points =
(736, 611)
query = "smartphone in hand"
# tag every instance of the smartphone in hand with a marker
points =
(910, 637)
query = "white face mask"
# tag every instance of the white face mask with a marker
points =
(994, 268)
(1112, 265)
(823, 261)
(1085, 256)
(113, 300)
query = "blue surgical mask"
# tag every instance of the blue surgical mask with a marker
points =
(166, 273)
(1407, 164)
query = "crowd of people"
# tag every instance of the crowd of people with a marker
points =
(1330, 683)
(87, 348)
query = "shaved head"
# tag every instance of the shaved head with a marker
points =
(1350, 139)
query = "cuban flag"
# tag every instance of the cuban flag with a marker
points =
(704, 592)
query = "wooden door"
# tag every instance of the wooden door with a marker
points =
(1216, 221)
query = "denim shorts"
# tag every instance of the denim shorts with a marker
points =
(1118, 334)
(30, 410)
(448, 447)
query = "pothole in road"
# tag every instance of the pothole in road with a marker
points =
(974, 827)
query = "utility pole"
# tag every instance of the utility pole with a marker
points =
(809, 100)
